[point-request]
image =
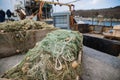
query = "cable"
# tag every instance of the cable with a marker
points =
(72, 1)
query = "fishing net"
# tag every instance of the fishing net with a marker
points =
(23, 25)
(19, 36)
(53, 58)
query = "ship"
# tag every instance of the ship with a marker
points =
(100, 58)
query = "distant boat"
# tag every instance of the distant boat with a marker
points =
(80, 22)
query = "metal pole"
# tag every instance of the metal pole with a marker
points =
(24, 3)
(46, 12)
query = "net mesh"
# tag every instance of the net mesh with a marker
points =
(23, 25)
(51, 59)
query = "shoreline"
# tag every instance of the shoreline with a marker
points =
(96, 19)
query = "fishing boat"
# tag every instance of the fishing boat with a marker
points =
(100, 57)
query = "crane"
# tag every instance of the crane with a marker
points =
(73, 1)
(71, 6)
(71, 9)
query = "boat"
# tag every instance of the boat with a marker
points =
(100, 57)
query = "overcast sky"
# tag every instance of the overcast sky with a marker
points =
(81, 4)
(90, 4)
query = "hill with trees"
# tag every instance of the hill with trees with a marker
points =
(113, 12)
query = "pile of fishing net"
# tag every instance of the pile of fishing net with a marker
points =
(56, 57)
(23, 25)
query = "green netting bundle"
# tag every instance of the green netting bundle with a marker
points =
(53, 58)
(23, 25)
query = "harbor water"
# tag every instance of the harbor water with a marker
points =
(105, 23)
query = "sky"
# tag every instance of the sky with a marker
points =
(90, 4)
(81, 4)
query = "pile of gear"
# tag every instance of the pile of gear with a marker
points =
(23, 25)
(53, 58)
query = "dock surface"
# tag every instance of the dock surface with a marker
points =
(96, 65)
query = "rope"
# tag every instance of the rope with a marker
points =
(57, 61)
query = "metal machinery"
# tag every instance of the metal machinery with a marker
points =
(73, 25)
(61, 20)
(19, 10)
(39, 10)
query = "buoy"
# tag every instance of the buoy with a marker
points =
(74, 64)
(18, 51)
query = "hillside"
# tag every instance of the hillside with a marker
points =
(107, 12)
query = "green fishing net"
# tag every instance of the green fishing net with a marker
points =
(23, 25)
(51, 59)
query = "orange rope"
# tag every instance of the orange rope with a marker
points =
(40, 10)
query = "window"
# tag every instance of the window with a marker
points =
(61, 19)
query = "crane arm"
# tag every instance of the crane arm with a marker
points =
(73, 1)
(71, 8)
(57, 3)
(40, 9)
